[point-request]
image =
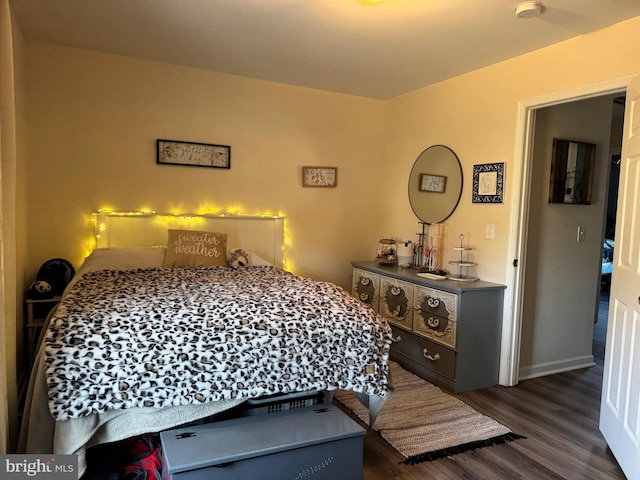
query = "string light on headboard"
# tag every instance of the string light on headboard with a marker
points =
(137, 228)
(134, 213)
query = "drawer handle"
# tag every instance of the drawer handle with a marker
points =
(395, 291)
(364, 297)
(433, 302)
(397, 339)
(433, 358)
(433, 322)
(365, 281)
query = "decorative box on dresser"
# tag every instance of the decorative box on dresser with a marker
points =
(447, 332)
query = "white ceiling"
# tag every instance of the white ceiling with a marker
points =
(378, 51)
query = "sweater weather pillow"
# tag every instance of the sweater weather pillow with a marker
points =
(193, 248)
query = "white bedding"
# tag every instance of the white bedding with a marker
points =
(41, 434)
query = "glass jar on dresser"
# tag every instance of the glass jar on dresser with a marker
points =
(444, 331)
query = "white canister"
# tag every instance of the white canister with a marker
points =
(405, 254)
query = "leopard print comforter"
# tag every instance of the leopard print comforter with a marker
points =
(165, 337)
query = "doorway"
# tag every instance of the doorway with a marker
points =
(522, 186)
(608, 241)
(564, 247)
(620, 434)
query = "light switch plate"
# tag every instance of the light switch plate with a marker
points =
(488, 231)
(582, 233)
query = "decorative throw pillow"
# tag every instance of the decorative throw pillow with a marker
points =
(193, 248)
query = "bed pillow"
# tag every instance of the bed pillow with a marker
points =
(194, 248)
(110, 258)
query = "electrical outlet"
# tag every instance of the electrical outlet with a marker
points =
(582, 232)
(488, 231)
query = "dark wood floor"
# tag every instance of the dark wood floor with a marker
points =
(558, 414)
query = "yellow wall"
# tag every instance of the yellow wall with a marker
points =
(475, 115)
(12, 224)
(94, 119)
(21, 253)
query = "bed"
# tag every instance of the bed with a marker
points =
(139, 344)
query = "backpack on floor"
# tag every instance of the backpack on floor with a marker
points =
(141, 458)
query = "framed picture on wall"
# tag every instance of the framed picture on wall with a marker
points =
(319, 176)
(173, 152)
(572, 165)
(488, 183)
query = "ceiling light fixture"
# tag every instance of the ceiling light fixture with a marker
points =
(528, 9)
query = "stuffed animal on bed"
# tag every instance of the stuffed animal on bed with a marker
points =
(238, 258)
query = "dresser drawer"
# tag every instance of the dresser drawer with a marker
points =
(435, 315)
(428, 354)
(365, 287)
(436, 302)
(396, 300)
(434, 327)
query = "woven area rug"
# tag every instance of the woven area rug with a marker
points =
(423, 423)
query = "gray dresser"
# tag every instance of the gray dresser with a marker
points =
(445, 331)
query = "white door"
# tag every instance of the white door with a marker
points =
(620, 407)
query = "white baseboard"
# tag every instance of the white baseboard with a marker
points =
(549, 368)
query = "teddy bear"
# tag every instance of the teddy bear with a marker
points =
(40, 289)
(238, 258)
(52, 278)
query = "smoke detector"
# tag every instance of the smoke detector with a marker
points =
(528, 9)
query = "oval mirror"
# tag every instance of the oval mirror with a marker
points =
(435, 184)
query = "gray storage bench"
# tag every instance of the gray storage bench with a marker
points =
(318, 442)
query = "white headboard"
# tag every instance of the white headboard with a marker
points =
(263, 235)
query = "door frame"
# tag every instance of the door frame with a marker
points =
(519, 215)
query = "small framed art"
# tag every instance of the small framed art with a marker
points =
(172, 152)
(488, 183)
(319, 176)
(432, 183)
(572, 165)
